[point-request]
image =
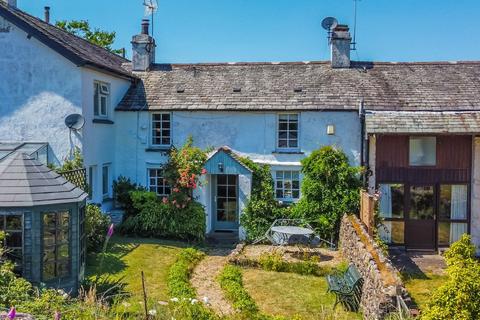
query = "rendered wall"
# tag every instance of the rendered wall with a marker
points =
(38, 89)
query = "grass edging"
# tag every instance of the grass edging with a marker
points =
(179, 274)
(231, 282)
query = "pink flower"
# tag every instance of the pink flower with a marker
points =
(176, 190)
(57, 316)
(204, 171)
(178, 206)
(165, 200)
(12, 313)
(110, 231)
(174, 201)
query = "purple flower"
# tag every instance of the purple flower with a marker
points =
(12, 313)
(57, 316)
(110, 231)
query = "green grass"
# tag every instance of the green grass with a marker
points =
(290, 294)
(421, 287)
(127, 257)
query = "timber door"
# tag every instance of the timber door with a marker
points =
(421, 220)
(225, 202)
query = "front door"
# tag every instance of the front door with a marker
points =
(420, 224)
(225, 202)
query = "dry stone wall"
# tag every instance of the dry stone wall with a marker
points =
(382, 282)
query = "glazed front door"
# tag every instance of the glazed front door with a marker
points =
(225, 202)
(420, 225)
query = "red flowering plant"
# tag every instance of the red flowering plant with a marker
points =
(183, 173)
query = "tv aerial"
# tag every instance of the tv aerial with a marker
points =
(151, 6)
(329, 23)
(75, 122)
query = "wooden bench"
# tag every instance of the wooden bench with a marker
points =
(347, 288)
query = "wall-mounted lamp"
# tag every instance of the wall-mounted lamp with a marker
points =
(331, 129)
(220, 167)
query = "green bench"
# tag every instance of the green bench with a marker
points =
(347, 287)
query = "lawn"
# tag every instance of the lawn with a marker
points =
(290, 294)
(421, 287)
(127, 257)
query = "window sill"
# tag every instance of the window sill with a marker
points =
(103, 121)
(288, 152)
(158, 149)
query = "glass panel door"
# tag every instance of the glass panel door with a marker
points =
(420, 233)
(226, 202)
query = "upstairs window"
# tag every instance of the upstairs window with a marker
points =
(157, 182)
(287, 185)
(101, 99)
(161, 129)
(423, 151)
(288, 131)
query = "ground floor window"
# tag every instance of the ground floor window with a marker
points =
(287, 185)
(12, 225)
(105, 180)
(415, 214)
(157, 182)
(56, 245)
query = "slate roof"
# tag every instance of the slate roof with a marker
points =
(422, 122)
(433, 86)
(79, 51)
(25, 182)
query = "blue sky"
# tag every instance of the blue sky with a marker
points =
(285, 30)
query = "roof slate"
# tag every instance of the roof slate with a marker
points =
(272, 86)
(25, 182)
(422, 122)
(76, 49)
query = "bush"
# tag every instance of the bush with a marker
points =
(158, 219)
(232, 284)
(262, 209)
(330, 188)
(179, 274)
(122, 187)
(459, 297)
(275, 262)
(96, 226)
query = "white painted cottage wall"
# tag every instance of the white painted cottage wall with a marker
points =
(38, 89)
(99, 138)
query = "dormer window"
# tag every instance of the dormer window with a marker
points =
(101, 99)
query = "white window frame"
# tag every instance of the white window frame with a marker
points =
(106, 195)
(277, 130)
(163, 186)
(103, 92)
(152, 137)
(290, 189)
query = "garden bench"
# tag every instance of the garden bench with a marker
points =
(347, 288)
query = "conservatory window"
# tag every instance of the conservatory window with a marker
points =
(12, 225)
(56, 245)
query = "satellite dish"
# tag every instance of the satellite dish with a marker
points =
(75, 121)
(329, 23)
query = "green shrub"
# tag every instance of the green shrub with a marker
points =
(96, 226)
(158, 219)
(179, 273)
(262, 209)
(121, 190)
(275, 262)
(231, 282)
(330, 188)
(459, 297)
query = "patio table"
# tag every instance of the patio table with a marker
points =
(285, 232)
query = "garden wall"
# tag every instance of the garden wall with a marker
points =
(382, 282)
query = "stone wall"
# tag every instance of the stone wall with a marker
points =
(382, 282)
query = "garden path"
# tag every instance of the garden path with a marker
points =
(204, 280)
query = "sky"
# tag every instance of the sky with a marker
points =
(188, 31)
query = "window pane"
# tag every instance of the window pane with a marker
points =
(391, 200)
(14, 222)
(392, 232)
(103, 105)
(421, 203)
(105, 180)
(56, 247)
(453, 201)
(423, 151)
(95, 100)
(449, 232)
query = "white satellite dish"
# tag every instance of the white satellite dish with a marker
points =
(75, 121)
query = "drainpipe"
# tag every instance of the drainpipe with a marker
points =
(363, 138)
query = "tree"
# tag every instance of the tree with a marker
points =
(330, 188)
(82, 29)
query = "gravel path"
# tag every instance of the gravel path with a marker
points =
(204, 280)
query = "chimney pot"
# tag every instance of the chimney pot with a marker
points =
(340, 46)
(47, 14)
(145, 26)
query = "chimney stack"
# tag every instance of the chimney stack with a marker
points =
(143, 47)
(47, 14)
(340, 46)
(11, 3)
